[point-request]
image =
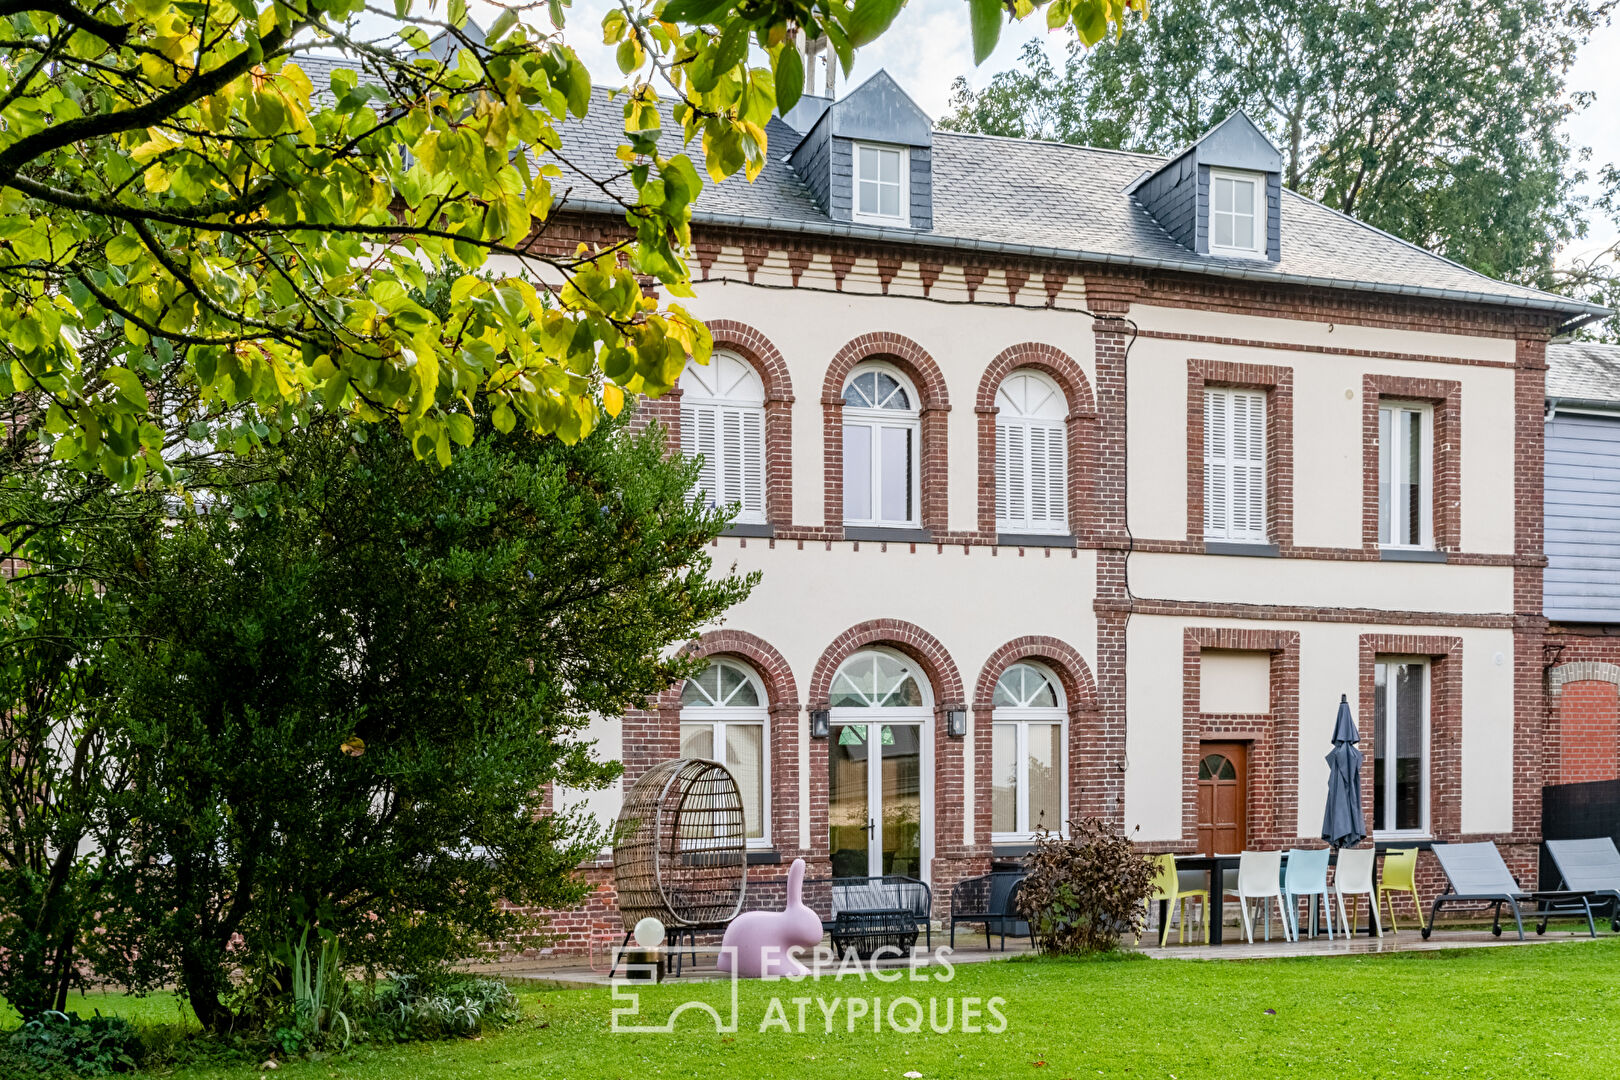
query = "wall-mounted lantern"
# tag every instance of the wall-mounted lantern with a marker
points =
(820, 723)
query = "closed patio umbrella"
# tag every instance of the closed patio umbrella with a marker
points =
(1342, 824)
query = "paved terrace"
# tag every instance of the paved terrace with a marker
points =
(573, 971)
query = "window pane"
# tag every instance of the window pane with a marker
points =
(1409, 746)
(1386, 466)
(1412, 475)
(894, 470)
(869, 162)
(1223, 195)
(1223, 230)
(1243, 197)
(857, 472)
(745, 757)
(1380, 742)
(1045, 777)
(1004, 778)
(869, 197)
(1243, 228)
(890, 201)
(890, 164)
(697, 740)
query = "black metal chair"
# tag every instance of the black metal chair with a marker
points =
(990, 899)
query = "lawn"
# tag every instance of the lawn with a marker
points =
(1544, 1011)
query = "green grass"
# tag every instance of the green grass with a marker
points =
(1521, 1013)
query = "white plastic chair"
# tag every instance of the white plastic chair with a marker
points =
(1260, 878)
(1353, 877)
(1306, 879)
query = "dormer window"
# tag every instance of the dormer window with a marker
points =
(1236, 217)
(881, 185)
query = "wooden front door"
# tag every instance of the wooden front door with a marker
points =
(1223, 782)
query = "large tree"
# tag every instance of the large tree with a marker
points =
(1436, 120)
(167, 168)
(339, 696)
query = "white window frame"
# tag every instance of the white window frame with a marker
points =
(904, 200)
(1388, 462)
(1222, 528)
(1422, 831)
(1261, 213)
(922, 716)
(875, 420)
(1021, 718)
(719, 717)
(746, 418)
(1055, 431)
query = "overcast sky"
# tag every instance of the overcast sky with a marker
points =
(928, 46)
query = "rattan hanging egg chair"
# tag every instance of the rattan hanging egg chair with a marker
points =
(682, 854)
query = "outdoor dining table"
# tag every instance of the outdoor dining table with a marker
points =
(1216, 866)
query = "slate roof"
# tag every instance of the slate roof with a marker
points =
(1044, 200)
(1583, 371)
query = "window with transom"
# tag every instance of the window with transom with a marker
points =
(723, 427)
(724, 718)
(1032, 455)
(1029, 773)
(882, 433)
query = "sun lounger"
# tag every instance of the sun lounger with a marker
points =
(1476, 872)
(1590, 866)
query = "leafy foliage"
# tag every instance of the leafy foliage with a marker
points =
(1596, 277)
(1085, 891)
(341, 702)
(170, 170)
(422, 1006)
(1435, 120)
(65, 1044)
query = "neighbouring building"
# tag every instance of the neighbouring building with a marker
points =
(1583, 563)
(1083, 484)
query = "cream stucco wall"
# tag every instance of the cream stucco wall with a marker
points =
(1329, 661)
(1328, 433)
(1389, 586)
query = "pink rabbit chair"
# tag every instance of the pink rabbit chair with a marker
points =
(762, 938)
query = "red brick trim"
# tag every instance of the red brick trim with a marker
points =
(1529, 634)
(920, 367)
(782, 696)
(950, 808)
(1324, 350)
(1272, 799)
(1081, 428)
(1445, 723)
(1446, 397)
(757, 349)
(1090, 763)
(1211, 609)
(1278, 385)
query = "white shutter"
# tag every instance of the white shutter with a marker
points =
(1234, 465)
(730, 456)
(1016, 474)
(1003, 474)
(699, 438)
(1057, 478)
(751, 453)
(1040, 486)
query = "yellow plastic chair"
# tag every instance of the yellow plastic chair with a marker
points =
(1168, 886)
(1400, 876)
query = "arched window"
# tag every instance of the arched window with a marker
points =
(1032, 455)
(1029, 776)
(723, 718)
(723, 422)
(882, 436)
(879, 803)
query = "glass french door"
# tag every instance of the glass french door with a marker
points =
(875, 799)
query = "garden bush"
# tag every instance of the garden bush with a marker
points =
(56, 1044)
(1084, 892)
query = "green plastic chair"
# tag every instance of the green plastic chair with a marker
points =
(1168, 886)
(1400, 876)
